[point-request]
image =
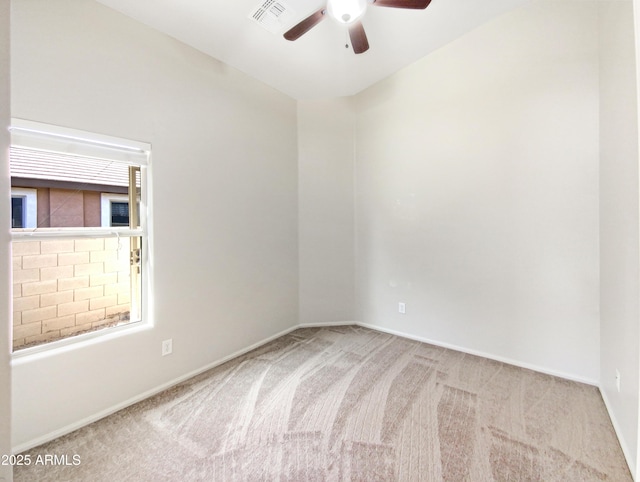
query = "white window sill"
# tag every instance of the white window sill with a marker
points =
(76, 342)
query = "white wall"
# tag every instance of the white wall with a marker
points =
(477, 192)
(619, 221)
(225, 257)
(5, 285)
(326, 210)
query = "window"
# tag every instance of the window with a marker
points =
(114, 209)
(23, 208)
(119, 214)
(18, 209)
(79, 233)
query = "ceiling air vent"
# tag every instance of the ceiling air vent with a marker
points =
(274, 15)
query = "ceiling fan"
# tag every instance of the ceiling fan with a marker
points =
(349, 13)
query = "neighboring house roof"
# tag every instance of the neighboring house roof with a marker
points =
(52, 166)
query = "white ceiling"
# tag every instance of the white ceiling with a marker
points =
(317, 65)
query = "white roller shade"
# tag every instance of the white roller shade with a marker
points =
(44, 137)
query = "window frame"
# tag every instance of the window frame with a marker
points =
(105, 207)
(47, 137)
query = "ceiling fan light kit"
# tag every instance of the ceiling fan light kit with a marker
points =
(349, 13)
(346, 11)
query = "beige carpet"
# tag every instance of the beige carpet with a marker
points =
(348, 403)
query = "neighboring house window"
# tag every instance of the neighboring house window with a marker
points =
(24, 209)
(17, 212)
(114, 210)
(119, 214)
(75, 275)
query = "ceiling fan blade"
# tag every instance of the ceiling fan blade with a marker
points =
(412, 4)
(358, 38)
(303, 27)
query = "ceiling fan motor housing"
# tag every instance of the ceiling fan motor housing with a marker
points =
(346, 11)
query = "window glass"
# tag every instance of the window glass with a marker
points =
(72, 185)
(68, 287)
(119, 214)
(17, 212)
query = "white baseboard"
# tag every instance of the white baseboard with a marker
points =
(490, 356)
(149, 393)
(331, 323)
(616, 427)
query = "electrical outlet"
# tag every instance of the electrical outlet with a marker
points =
(402, 308)
(167, 347)
(618, 380)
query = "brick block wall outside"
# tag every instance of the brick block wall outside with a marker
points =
(65, 287)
